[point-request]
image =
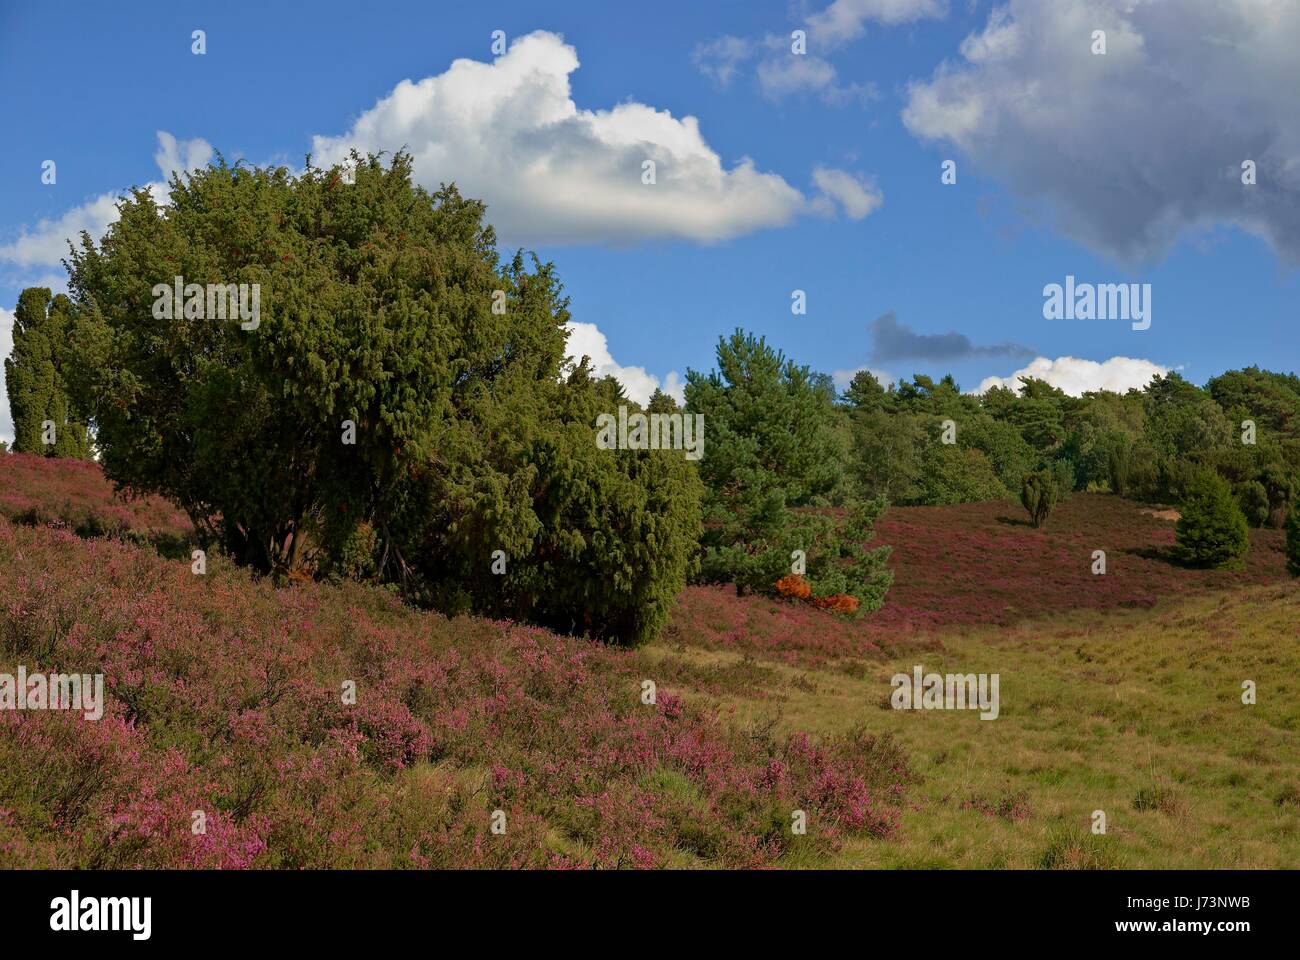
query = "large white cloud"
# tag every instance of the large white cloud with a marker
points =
(1076, 376)
(510, 132)
(586, 339)
(1126, 150)
(6, 346)
(46, 245)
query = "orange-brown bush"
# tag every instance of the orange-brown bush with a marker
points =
(793, 585)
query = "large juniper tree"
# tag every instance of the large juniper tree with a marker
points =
(386, 319)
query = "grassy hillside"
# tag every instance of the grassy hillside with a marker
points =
(1136, 712)
(1120, 693)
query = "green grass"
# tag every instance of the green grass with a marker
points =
(1135, 712)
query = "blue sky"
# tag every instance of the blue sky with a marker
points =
(817, 171)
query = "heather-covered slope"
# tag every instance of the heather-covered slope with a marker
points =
(226, 699)
(74, 494)
(979, 563)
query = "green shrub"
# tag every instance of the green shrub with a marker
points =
(1063, 476)
(356, 554)
(36, 377)
(1176, 478)
(1212, 530)
(1003, 446)
(591, 541)
(775, 458)
(953, 474)
(1144, 474)
(1253, 500)
(1120, 461)
(1281, 487)
(1293, 538)
(1038, 494)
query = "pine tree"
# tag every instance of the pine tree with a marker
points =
(774, 454)
(1211, 529)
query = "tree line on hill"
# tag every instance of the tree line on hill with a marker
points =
(403, 412)
(1228, 453)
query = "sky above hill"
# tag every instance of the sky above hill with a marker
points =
(775, 171)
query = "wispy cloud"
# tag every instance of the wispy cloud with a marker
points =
(781, 72)
(46, 244)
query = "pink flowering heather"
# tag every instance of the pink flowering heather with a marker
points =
(225, 698)
(74, 494)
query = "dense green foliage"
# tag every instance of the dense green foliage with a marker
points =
(1293, 539)
(1119, 463)
(593, 541)
(1252, 498)
(1147, 444)
(400, 410)
(1039, 494)
(774, 459)
(35, 377)
(1211, 531)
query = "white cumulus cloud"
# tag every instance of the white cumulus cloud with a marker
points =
(586, 339)
(46, 245)
(510, 132)
(179, 156)
(1124, 151)
(1076, 376)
